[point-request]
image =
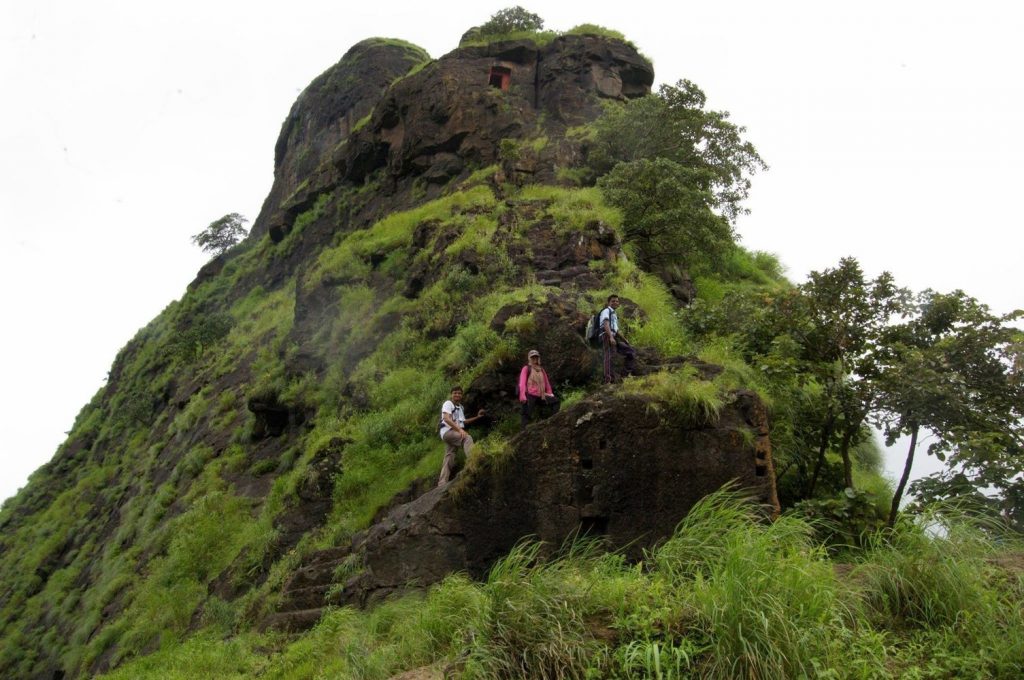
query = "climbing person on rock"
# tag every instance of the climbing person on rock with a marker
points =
(453, 433)
(535, 391)
(613, 342)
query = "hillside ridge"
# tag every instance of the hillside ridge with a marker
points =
(423, 228)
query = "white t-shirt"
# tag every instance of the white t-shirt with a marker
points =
(608, 314)
(457, 414)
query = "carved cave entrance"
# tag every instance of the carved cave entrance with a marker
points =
(500, 77)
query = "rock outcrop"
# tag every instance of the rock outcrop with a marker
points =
(329, 109)
(451, 116)
(293, 388)
(619, 467)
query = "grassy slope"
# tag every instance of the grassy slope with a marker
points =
(727, 597)
(160, 489)
(108, 553)
(728, 591)
(140, 582)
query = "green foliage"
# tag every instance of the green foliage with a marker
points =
(849, 519)
(221, 234)
(117, 559)
(350, 259)
(305, 218)
(933, 572)
(667, 213)
(511, 20)
(775, 566)
(594, 29)
(573, 209)
(200, 335)
(729, 595)
(690, 399)
(949, 369)
(673, 125)
(661, 327)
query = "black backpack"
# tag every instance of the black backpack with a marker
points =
(593, 332)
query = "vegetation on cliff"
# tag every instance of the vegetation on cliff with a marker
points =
(291, 395)
(728, 596)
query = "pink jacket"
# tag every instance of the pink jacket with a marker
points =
(522, 383)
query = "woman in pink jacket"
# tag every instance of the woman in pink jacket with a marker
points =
(535, 389)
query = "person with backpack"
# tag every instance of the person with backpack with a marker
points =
(613, 342)
(453, 432)
(535, 391)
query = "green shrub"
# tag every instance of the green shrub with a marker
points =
(930, 571)
(690, 399)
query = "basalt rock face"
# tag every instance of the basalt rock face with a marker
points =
(290, 398)
(468, 101)
(329, 109)
(622, 468)
(452, 115)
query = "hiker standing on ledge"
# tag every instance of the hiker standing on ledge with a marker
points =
(614, 342)
(453, 433)
(535, 390)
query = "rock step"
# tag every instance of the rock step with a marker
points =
(313, 575)
(293, 621)
(299, 599)
(335, 554)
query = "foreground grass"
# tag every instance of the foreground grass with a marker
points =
(728, 596)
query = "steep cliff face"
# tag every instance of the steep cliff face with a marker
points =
(329, 109)
(266, 421)
(452, 114)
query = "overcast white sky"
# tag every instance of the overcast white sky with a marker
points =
(893, 131)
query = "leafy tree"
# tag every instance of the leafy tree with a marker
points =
(667, 214)
(674, 125)
(985, 475)
(221, 234)
(949, 370)
(845, 318)
(511, 20)
(818, 346)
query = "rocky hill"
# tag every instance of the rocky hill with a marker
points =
(267, 446)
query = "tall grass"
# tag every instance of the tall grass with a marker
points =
(534, 622)
(762, 596)
(728, 595)
(689, 399)
(930, 571)
(348, 259)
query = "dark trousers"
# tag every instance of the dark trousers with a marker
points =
(547, 408)
(621, 347)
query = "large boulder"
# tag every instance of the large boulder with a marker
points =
(622, 467)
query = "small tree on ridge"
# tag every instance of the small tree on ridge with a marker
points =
(221, 234)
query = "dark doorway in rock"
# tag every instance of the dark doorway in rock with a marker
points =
(500, 77)
(593, 526)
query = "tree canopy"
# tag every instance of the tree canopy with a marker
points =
(221, 234)
(675, 126)
(510, 20)
(667, 212)
(949, 370)
(678, 171)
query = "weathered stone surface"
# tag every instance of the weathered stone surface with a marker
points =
(451, 108)
(448, 117)
(622, 467)
(271, 416)
(328, 109)
(554, 330)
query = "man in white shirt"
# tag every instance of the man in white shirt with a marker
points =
(453, 433)
(613, 341)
